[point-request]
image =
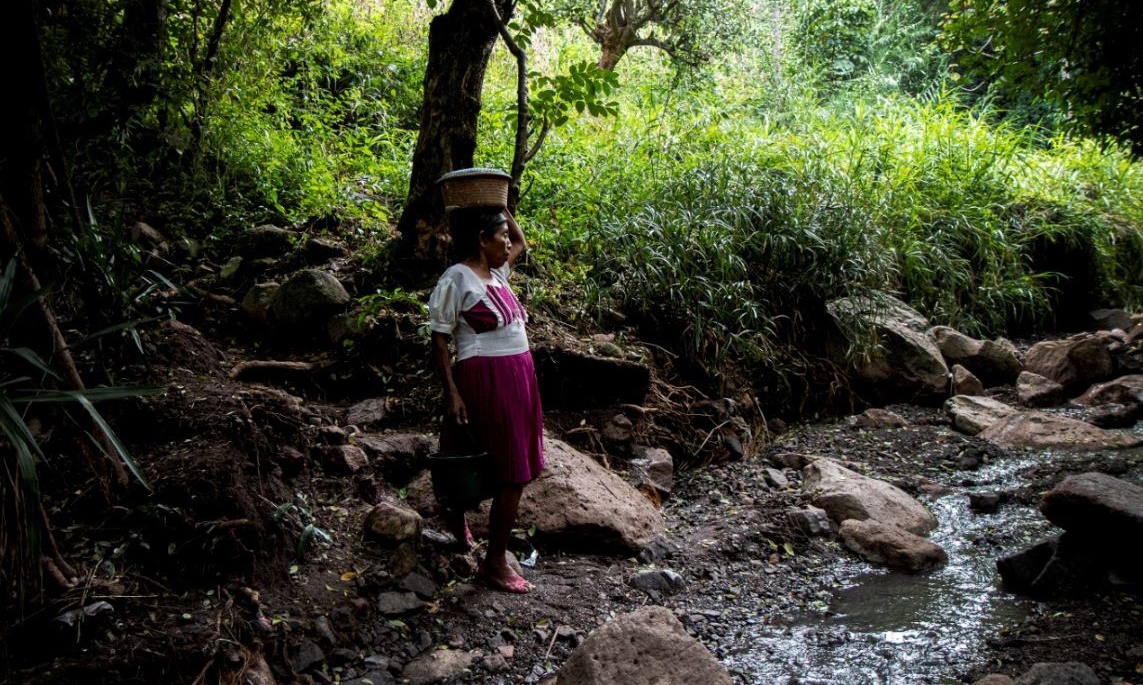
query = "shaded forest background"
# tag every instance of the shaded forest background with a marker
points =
(706, 174)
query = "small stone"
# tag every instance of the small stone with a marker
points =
(391, 524)
(422, 586)
(494, 663)
(566, 633)
(307, 655)
(396, 603)
(608, 349)
(790, 460)
(437, 666)
(657, 580)
(332, 435)
(810, 520)
(368, 413)
(777, 478)
(969, 461)
(321, 625)
(230, 268)
(984, 502)
(656, 551)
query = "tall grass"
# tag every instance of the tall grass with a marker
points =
(726, 228)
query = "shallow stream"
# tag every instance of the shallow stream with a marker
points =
(900, 629)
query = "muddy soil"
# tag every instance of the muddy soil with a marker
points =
(246, 562)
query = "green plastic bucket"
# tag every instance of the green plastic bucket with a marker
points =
(461, 480)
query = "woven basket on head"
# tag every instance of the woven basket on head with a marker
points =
(475, 188)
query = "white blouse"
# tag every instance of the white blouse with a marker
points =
(484, 319)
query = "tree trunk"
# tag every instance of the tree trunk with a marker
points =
(609, 56)
(22, 145)
(460, 44)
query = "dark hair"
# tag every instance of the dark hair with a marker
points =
(469, 225)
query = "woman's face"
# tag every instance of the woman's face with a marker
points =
(496, 247)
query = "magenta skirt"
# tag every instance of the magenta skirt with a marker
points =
(502, 397)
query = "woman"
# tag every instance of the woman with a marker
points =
(491, 393)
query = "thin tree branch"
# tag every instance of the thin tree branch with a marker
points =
(520, 154)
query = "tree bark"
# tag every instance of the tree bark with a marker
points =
(460, 44)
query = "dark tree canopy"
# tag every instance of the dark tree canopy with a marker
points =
(1084, 59)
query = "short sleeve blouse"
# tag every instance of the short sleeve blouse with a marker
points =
(484, 319)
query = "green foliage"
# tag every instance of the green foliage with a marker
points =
(1069, 63)
(26, 379)
(834, 36)
(585, 88)
(870, 45)
(722, 233)
(690, 32)
(815, 155)
(397, 299)
(272, 111)
(299, 515)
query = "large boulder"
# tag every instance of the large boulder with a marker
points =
(965, 382)
(1034, 390)
(645, 647)
(1038, 430)
(846, 494)
(570, 379)
(266, 240)
(397, 456)
(994, 362)
(308, 296)
(907, 365)
(580, 503)
(1126, 390)
(1098, 506)
(1111, 319)
(972, 414)
(1074, 363)
(256, 303)
(890, 546)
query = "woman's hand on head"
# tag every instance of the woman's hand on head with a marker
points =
(516, 235)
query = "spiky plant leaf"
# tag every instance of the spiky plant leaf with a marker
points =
(116, 444)
(25, 444)
(32, 357)
(89, 394)
(7, 279)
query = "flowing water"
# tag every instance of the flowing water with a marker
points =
(901, 629)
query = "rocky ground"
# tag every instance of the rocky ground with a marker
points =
(245, 562)
(312, 617)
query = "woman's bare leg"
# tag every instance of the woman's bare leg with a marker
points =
(454, 521)
(501, 519)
